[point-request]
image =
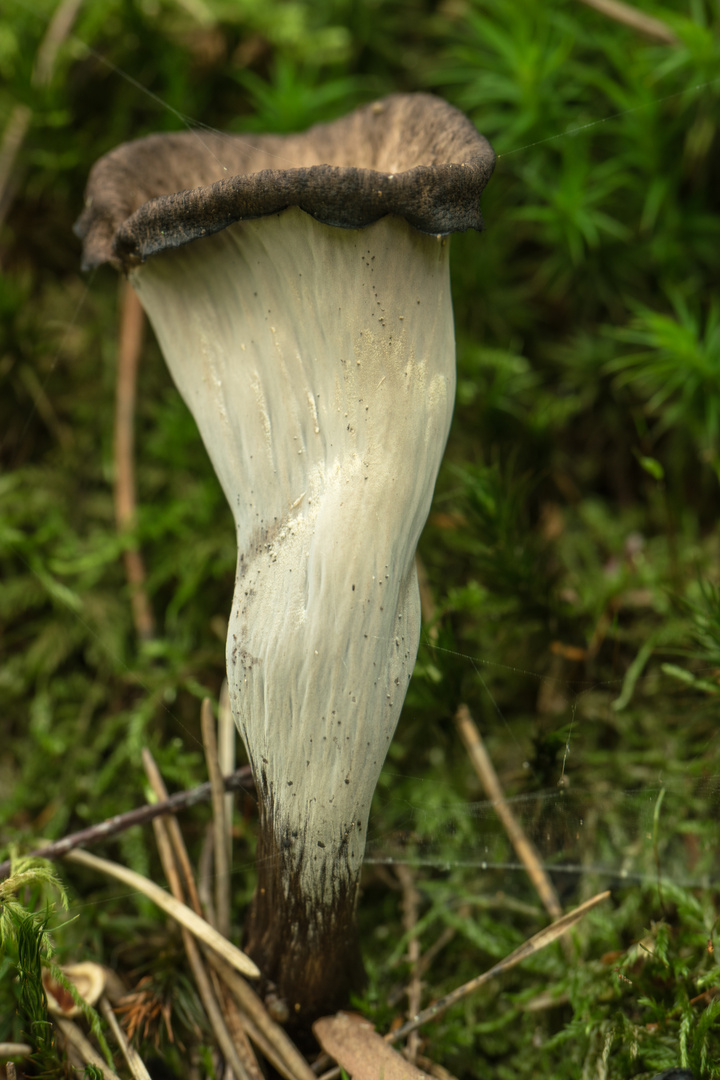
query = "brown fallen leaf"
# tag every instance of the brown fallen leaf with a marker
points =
(363, 1054)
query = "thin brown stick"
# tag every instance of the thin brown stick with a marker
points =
(134, 1062)
(240, 780)
(281, 1051)
(13, 137)
(10, 1049)
(132, 322)
(205, 874)
(178, 870)
(524, 848)
(162, 839)
(194, 955)
(266, 1048)
(437, 946)
(637, 20)
(58, 29)
(18, 125)
(222, 867)
(172, 907)
(533, 945)
(439, 1072)
(174, 832)
(321, 1063)
(44, 406)
(410, 912)
(227, 737)
(427, 601)
(236, 1023)
(423, 963)
(214, 1012)
(74, 1037)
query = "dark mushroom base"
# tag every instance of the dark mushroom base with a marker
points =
(309, 956)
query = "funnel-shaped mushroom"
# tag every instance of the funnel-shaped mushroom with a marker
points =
(319, 364)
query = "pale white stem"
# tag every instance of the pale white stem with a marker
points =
(319, 365)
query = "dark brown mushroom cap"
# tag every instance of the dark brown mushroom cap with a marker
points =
(412, 155)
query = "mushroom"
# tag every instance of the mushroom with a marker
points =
(89, 980)
(299, 289)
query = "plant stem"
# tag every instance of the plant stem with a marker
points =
(240, 780)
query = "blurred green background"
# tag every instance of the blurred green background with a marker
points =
(572, 565)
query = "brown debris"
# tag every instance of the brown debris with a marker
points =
(364, 1054)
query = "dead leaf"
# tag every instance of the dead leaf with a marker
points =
(363, 1054)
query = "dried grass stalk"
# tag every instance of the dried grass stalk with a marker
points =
(524, 847)
(222, 866)
(134, 1062)
(75, 1038)
(172, 907)
(195, 957)
(279, 1048)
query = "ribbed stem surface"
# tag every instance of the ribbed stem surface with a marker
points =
(319, 365)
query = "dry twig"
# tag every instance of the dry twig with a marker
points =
(437, 946)
(427, 601)
(11, 1050)
(280, 1051)
(215, 1015)
(237, 1027)
(174, 833)
(13, 137)
(75, 1038)
(427, 958)
(439, 1072)
(488, 777)
(205, 874)
(222, 866)
(182, 914)
(637, 20)
(132, 321)
(240, 780)
(533, 945)
(58, 29)
(134, 1062)
(18, 125)
(226, 756)
(221, 1012)
(410, 909)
